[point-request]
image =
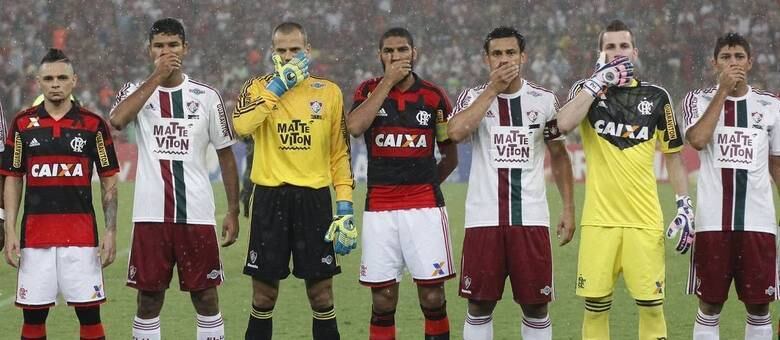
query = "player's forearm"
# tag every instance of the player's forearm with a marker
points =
(448, 161)
(467, 121)
(2, 184)
(126, 110)
(678, 176)
(360, 119)
(12, 195)
(110, 199)
(700, 134)
(560, 164)
(227, 165)
(572, 114)
(774, 170)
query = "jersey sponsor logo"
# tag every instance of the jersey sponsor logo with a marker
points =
(17, 159)
(671, 125)
(534, 93)
(736, 147)
(316, 107)
(223, 123)
(317, 85)
(34, 142)
(622, 130)
(57, 170)
(294, 135)
(511, 147)
(76, 144)
(401, 142)
(33, 122)
(438, 268)
(171, 138)
(197, 91)
(101, 149)
(645, 107)
(423, 117)
(763, 102)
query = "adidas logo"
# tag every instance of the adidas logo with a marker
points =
(381, 113)
(34, 142)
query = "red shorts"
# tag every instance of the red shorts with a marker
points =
(490, 254)
(157, 247)
(747, 257)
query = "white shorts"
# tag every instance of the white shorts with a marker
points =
(418, 239)
(74, 272)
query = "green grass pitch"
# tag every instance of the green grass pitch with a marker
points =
(292, 316)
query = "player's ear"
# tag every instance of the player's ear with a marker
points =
(486, 60)
(523, 57)
(414, 53)
(185, 48)
(635, 54)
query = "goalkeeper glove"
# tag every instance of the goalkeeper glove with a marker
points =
(342, 231)
(288, 75)
(618, 72)
(683, 223)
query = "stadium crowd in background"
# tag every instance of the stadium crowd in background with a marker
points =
(674, 35)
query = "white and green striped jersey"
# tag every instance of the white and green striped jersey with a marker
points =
(174, 129)
(734, 189)
(506, 183)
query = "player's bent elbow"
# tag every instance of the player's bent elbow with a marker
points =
(116, 123)
(696, 143)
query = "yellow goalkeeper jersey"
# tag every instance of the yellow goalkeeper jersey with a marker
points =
(619, 138)
(300, 138)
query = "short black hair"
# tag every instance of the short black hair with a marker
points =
(731, 39)
(396, 32)
(504, 32)
(616, 26)
(169, 26)
(55, 55)
(289, 27)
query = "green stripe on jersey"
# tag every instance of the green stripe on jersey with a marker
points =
(180, 187)
(516, 175)
(741, 176)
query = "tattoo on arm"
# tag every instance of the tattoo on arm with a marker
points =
(109, 193)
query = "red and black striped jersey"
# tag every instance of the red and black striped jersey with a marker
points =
(400, 142)
(56, 157)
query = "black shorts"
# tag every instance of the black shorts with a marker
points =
(290, 220)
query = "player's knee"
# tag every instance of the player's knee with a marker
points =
(320, 299)
(710, 308)
(88, 315)
(432, 298)
(265, 300)
(384, 299)
(150, 304)
(757, 309)
(536, 311)
(481, 308)
(206, 301)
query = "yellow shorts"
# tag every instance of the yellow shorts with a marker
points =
(605, 252)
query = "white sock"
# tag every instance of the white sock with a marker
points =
(536, 329)
(706, 327)
(478, 327)
(211, 327)
(146, 329)
(758, 327)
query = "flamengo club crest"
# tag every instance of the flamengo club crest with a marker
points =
(645, 107)
(423, 117)
(77, 144)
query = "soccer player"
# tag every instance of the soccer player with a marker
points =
(54, 147)
(301, 148)
(735, 127)
(621, 121)
(509, 121)
(405, 222)
(177, 118)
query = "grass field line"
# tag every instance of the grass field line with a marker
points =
(9, 300)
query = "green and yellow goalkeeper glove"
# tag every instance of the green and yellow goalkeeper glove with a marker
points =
(342, 231)
(288, 75)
